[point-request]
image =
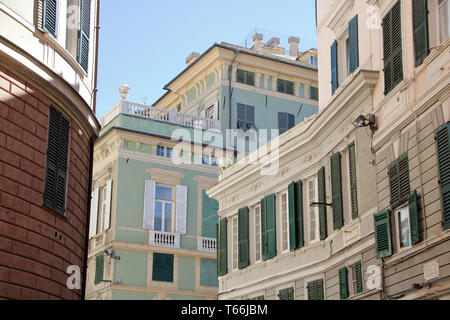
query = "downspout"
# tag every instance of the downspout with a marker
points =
(97, 33)
(230, 73)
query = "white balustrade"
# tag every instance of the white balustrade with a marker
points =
(207, 244)
(164, 239)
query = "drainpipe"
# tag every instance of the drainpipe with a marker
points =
(230, 73)
(97, 32)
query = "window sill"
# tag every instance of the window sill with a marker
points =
(364, 294)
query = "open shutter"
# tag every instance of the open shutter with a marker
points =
(322, 207)
(353, 44)
(94, 214)
(50, 14)
(403, 178)
(336, 190)
(383, 242)
(243, 238)
(99, 267)
(84, 36)
(443, 153)
(320, 294)
(292, 217)
(334, 68)
(263, 229)
(393, 184)
(353, 185)
(181, 209)
(299, 214)
(358, 277)
(270, 229)
(149, 204)
(420, 23)
(222, 251)
(414, 217)
(343, 284)
(107, 213)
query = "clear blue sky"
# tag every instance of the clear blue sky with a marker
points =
(144, 43)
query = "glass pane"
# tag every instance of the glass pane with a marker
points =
(404, 228)
(158, 216)
(250, 114)
(241, 112)
(169, 153)
(168, 217)
(160, 151)
(164, 193)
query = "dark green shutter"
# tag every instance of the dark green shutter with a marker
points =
(311, 291)
(353, 54)
(383, 242)
(243, 238)
(334, 68)
(286, 294)
(392, 48)
(353, 185)
(99, 267)
(162, 267)
(300, 237)
(50, 16)
(210, 207)
(443, 154)
(343, 284)
(420, 23)
(84, 35)
(399, 181)
(292, 216)
(222, 250)
(414, 217)
(358, 277)
(263, 229)
(319, 290)
(240, 76)
(322, 207)
(336, 191)
(250, 78)
(270, 237)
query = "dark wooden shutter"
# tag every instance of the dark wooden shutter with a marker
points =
(162, 267)
(85, 31)
(50, 16)
(358, 277)
(289, 87)
(282, 122)
(222, 250)
(291, 121)
(210, 207)
(353, 183)
(443, 154)
(336, 190)
(286, 294)
(343, 284)
(420, 23)
(250, 78)
(270, 227)
(334, 68)
(300, 237)
(353, 54)
(243, 238)
(413, 205)
(322, 207)
(320, 294)
(311, 291)
(383, 242)
(99, 267)
(399, 181)
(292, 216)
(240, 76)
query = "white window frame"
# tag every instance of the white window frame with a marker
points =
(284, 224)
(441, 28)
(235, 244)
(257, 208)
(397, 232)
(101, 209)
(310, 208)
(164, 202)
(351, 281)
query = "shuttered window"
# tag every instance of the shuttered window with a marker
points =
(99, 267)
(243, 235)
(322, 207)
(285, 86)
(353, 185)
(343, 284)
(298, 204)
(357, 278)
(286, 294)
(245, 117)
(353, 54)
(334, 67)
(413, 208)
(292, 217)
(383, 241)
(84, 36)
(50, 16)
(399, 181)
(286, 121)
(57, 161)
(420, 24)
(314, 93)
(336, 190)
(350, 280)
(222, 250)
(245, 77)
(162, 267)
(315, 290)
(392, 48)
(270, 237)
(443, 154)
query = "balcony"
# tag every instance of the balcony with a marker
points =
(207, 244)
(164, 239)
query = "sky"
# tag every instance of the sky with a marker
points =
(144, 43)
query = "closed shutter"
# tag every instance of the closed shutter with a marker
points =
(243, 238)
(162, 267)
(99, 267)
(353, 44)
(84, 36)
(50, 16)
(149, 204)
(240, 76)
(286, 294)
(250, 78)
(343, 283)
(353, 185)
(291, 121)
(358, 277)
(263, 229)
(399, 181)
(270, 228)
(443, 153)
(420, 23)
(292, 217)
(300, 237)
(94, 213)
(181, 209)
(322, 207)
(336, 190)
(222, 250)
(334, 68)
(311, 291)
(383, 242)
(282, 294)
(414, 217)
(319, 290)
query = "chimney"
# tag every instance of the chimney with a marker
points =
(192, 57)
(257, 38)
(273, 42)
(124, 90)
(294, 41)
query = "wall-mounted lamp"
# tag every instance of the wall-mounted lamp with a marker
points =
(363, 121)
(111, 254)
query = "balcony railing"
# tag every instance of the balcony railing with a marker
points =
(164, 239)
(207, 244)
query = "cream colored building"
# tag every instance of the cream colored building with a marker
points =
(359, 208)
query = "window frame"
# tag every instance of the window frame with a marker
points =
(284, 84)
(249, 125)
(163, 213)
(444, 2)
(397, 232)
(284, 222)
(258, 206)
(246, 74)
(308, 201)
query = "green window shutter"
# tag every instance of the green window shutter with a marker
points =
(162, 267)
(282, 294)
(353, 44)
(353, 185)
(270, 237)
(210, 207)
(300, 237)
(443, 154)
(334, 68)
(84, 35)
(383, 241)
(322, 208)
(336, 190)
(50, 16)
(250, 78)
(343, 284)
(311, 291)
(414, 217)
(286, 294)
(243, 238)
(240, 76)
(399, 181)
(420, 23)
(292, 217)
(358, 277)
(320, 294)
(263, 229)
(99, 267)
(222, 247)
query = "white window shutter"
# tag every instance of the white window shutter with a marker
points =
(181, 209)
(149, 204)
(107, 213)
(94, 214)
(216, 110)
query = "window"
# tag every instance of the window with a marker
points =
(210, 113)
(286, 121)
(399, 181)
(57, 161)
(164, 205)
(420, 28)
(334, 67)
(286, 294)
(245, 117)
(350, 280)
(160, 151)
(162, 267)
(315, 290)
(284, 222)
(105, 208)
(444, 25)
(313, 60)
(313, 211)
(84, 35)
(99, 268)
(403, 228)
(164, 152)
(314, 93)
(169, 152)
(245, 77)
(285, 86)
(352, 180)
(234, 238)
(258, 234)
(50, 16)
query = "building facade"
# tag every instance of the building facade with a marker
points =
(47, 128)
(358, 208)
